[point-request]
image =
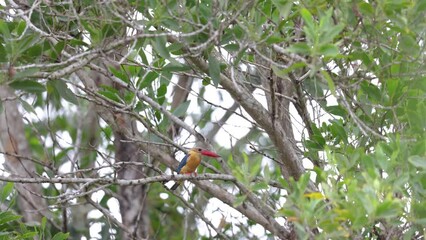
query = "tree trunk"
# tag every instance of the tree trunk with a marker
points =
(17, 156)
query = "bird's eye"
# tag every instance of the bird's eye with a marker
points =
(199, 149)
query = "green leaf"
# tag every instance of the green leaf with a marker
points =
(239, 200)
(418, 161)
(283, 72)
(21, 27)
(28, 107)
(181, 110)
(254, 166)
(307, 17)
(274, 39)
(120, 74)
(3, 57)
(176, 66)
(301, 48)
(27, 43)
(64, 91)
(283, 6)
(29, 235)
(214, 70)
(7, 216)
(240, 55)
(233, 47)
(372, 91)
(112, 95)
(330, 33)
(6, 191)
(330, 82)
(159, 44)
(259, 186)
(28, 86)
(328, 50)
(4, 29)
(266, 173)
(57, 49)
(409, 45)
(43, 224)
(338, 131)
(336, 110)
(22, 75)
(236, 169)
(176, 48)
(388, 209)
(149, 78)
(61, 236)
(366, 8)
(161, 93)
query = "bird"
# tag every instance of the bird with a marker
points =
(190, 162)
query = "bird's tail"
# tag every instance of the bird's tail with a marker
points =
(176, 185)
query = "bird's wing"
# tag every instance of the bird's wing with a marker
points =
(182, 163)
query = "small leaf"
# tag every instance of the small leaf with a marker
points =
(4, 29)
(28, 86)
(330, 82)
(408, 44)
(43, 223)
(283, 73)
(314, 195)
(7, 216)
(274, 39)
(6, 191)
(27, 43)
(176, 48)
(57, 49)
(149, 78)
(331, 33)
(159, 45)
(372, 91)
(64, 91)
(22, 75)
(181, 110)
(176, 66)
(61, 236)
(283, 6)
(110, 95)
(120, 74)
(328, 50)
(307, 17)
(239, 200)
(3, 57)
(366, 8)
(302, 48)
(206, 81)
(233, 47)
(418, 161)
(388, 209)
(338, 131)
(161, 93)
(214, 70)
(28, 107)
(336, 110)
(239, 56)
(266, 173)
(259, 186)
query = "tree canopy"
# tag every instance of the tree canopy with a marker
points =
(315, 107)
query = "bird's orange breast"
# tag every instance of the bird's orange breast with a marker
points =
(192, 163)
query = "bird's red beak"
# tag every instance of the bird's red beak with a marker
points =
(209, 154)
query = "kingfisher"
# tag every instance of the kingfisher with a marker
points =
(190, 162)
